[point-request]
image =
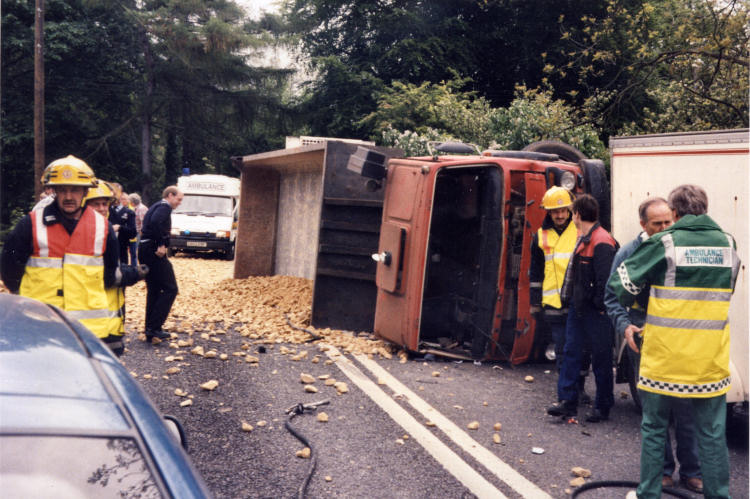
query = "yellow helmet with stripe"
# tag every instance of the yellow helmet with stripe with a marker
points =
(557, 197)
(68, 171)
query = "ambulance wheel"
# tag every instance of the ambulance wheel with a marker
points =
(229, 254)
(565, 151)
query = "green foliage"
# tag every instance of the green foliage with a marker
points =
(412, 143)
(662, 65)
(408, 116)
(433, 106)
(535, 115)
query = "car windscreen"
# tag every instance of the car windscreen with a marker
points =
(205, 205)
(74, 466)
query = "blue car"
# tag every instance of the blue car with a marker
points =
(73, 422)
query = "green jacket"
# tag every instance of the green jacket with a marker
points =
(691, 269)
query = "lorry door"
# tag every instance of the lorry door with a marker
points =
(535, 186)
(400, 208)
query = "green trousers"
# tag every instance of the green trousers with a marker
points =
(710, 430)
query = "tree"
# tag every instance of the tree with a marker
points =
(662, 65)
(357, 48)
(408, 116)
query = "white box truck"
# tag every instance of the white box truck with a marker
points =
(206, 220)
(718, 161)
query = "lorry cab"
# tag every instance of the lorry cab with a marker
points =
(454, 250)
(206, 220)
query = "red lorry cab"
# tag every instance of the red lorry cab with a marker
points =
(454, 252)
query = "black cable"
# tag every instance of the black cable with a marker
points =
(292, 412)
(624, 483)
(315, 337)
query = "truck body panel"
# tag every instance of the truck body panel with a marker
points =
(718, 161)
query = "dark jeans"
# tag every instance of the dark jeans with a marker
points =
(594, 329)
(133, 247)
(161, 286)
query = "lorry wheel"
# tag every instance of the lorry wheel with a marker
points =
(632, 364)
(565, 151)
(595, 176)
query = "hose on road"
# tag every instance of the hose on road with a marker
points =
(293, 411)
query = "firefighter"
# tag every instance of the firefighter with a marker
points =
(690, 270)
(551, 249)
(65, 254)
(99, 198)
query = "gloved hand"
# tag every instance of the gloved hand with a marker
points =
(142, 270)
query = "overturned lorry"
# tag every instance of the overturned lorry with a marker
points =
(455, 241)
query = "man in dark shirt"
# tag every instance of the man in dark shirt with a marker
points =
(123, 220)
(161, 285)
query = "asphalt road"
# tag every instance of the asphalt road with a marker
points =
(370, 446)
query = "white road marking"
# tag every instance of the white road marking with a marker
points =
(494, 464)
(451, 461)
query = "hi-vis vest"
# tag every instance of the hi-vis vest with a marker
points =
(557, 249)
(116, 307)
(692, 268)
(67, 270)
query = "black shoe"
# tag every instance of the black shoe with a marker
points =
(595, 415)
(160, 334)
(566, 408)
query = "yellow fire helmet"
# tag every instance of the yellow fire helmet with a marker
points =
(102, 190)
(557, 197)
(68, 171)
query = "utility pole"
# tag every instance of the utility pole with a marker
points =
(38, 96)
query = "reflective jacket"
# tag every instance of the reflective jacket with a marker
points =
(557, 249)
(691, 268)
(67, 270)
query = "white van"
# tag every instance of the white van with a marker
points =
(652, 165)
(206, 220)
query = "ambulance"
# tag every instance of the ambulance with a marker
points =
(206, 220)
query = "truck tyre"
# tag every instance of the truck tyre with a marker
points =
(595, 178)
(565, 151)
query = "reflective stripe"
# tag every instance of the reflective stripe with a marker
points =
(683, 388)
(92, 261)
(47, 263)
(99, 233)
(535, 284)
(41, 234)
(551, 292)
(685, 323)
(92, 314)
(552, 256)
(555, 311)
(669, 255)
(627, 284)
(735, 259)
(684, 294)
